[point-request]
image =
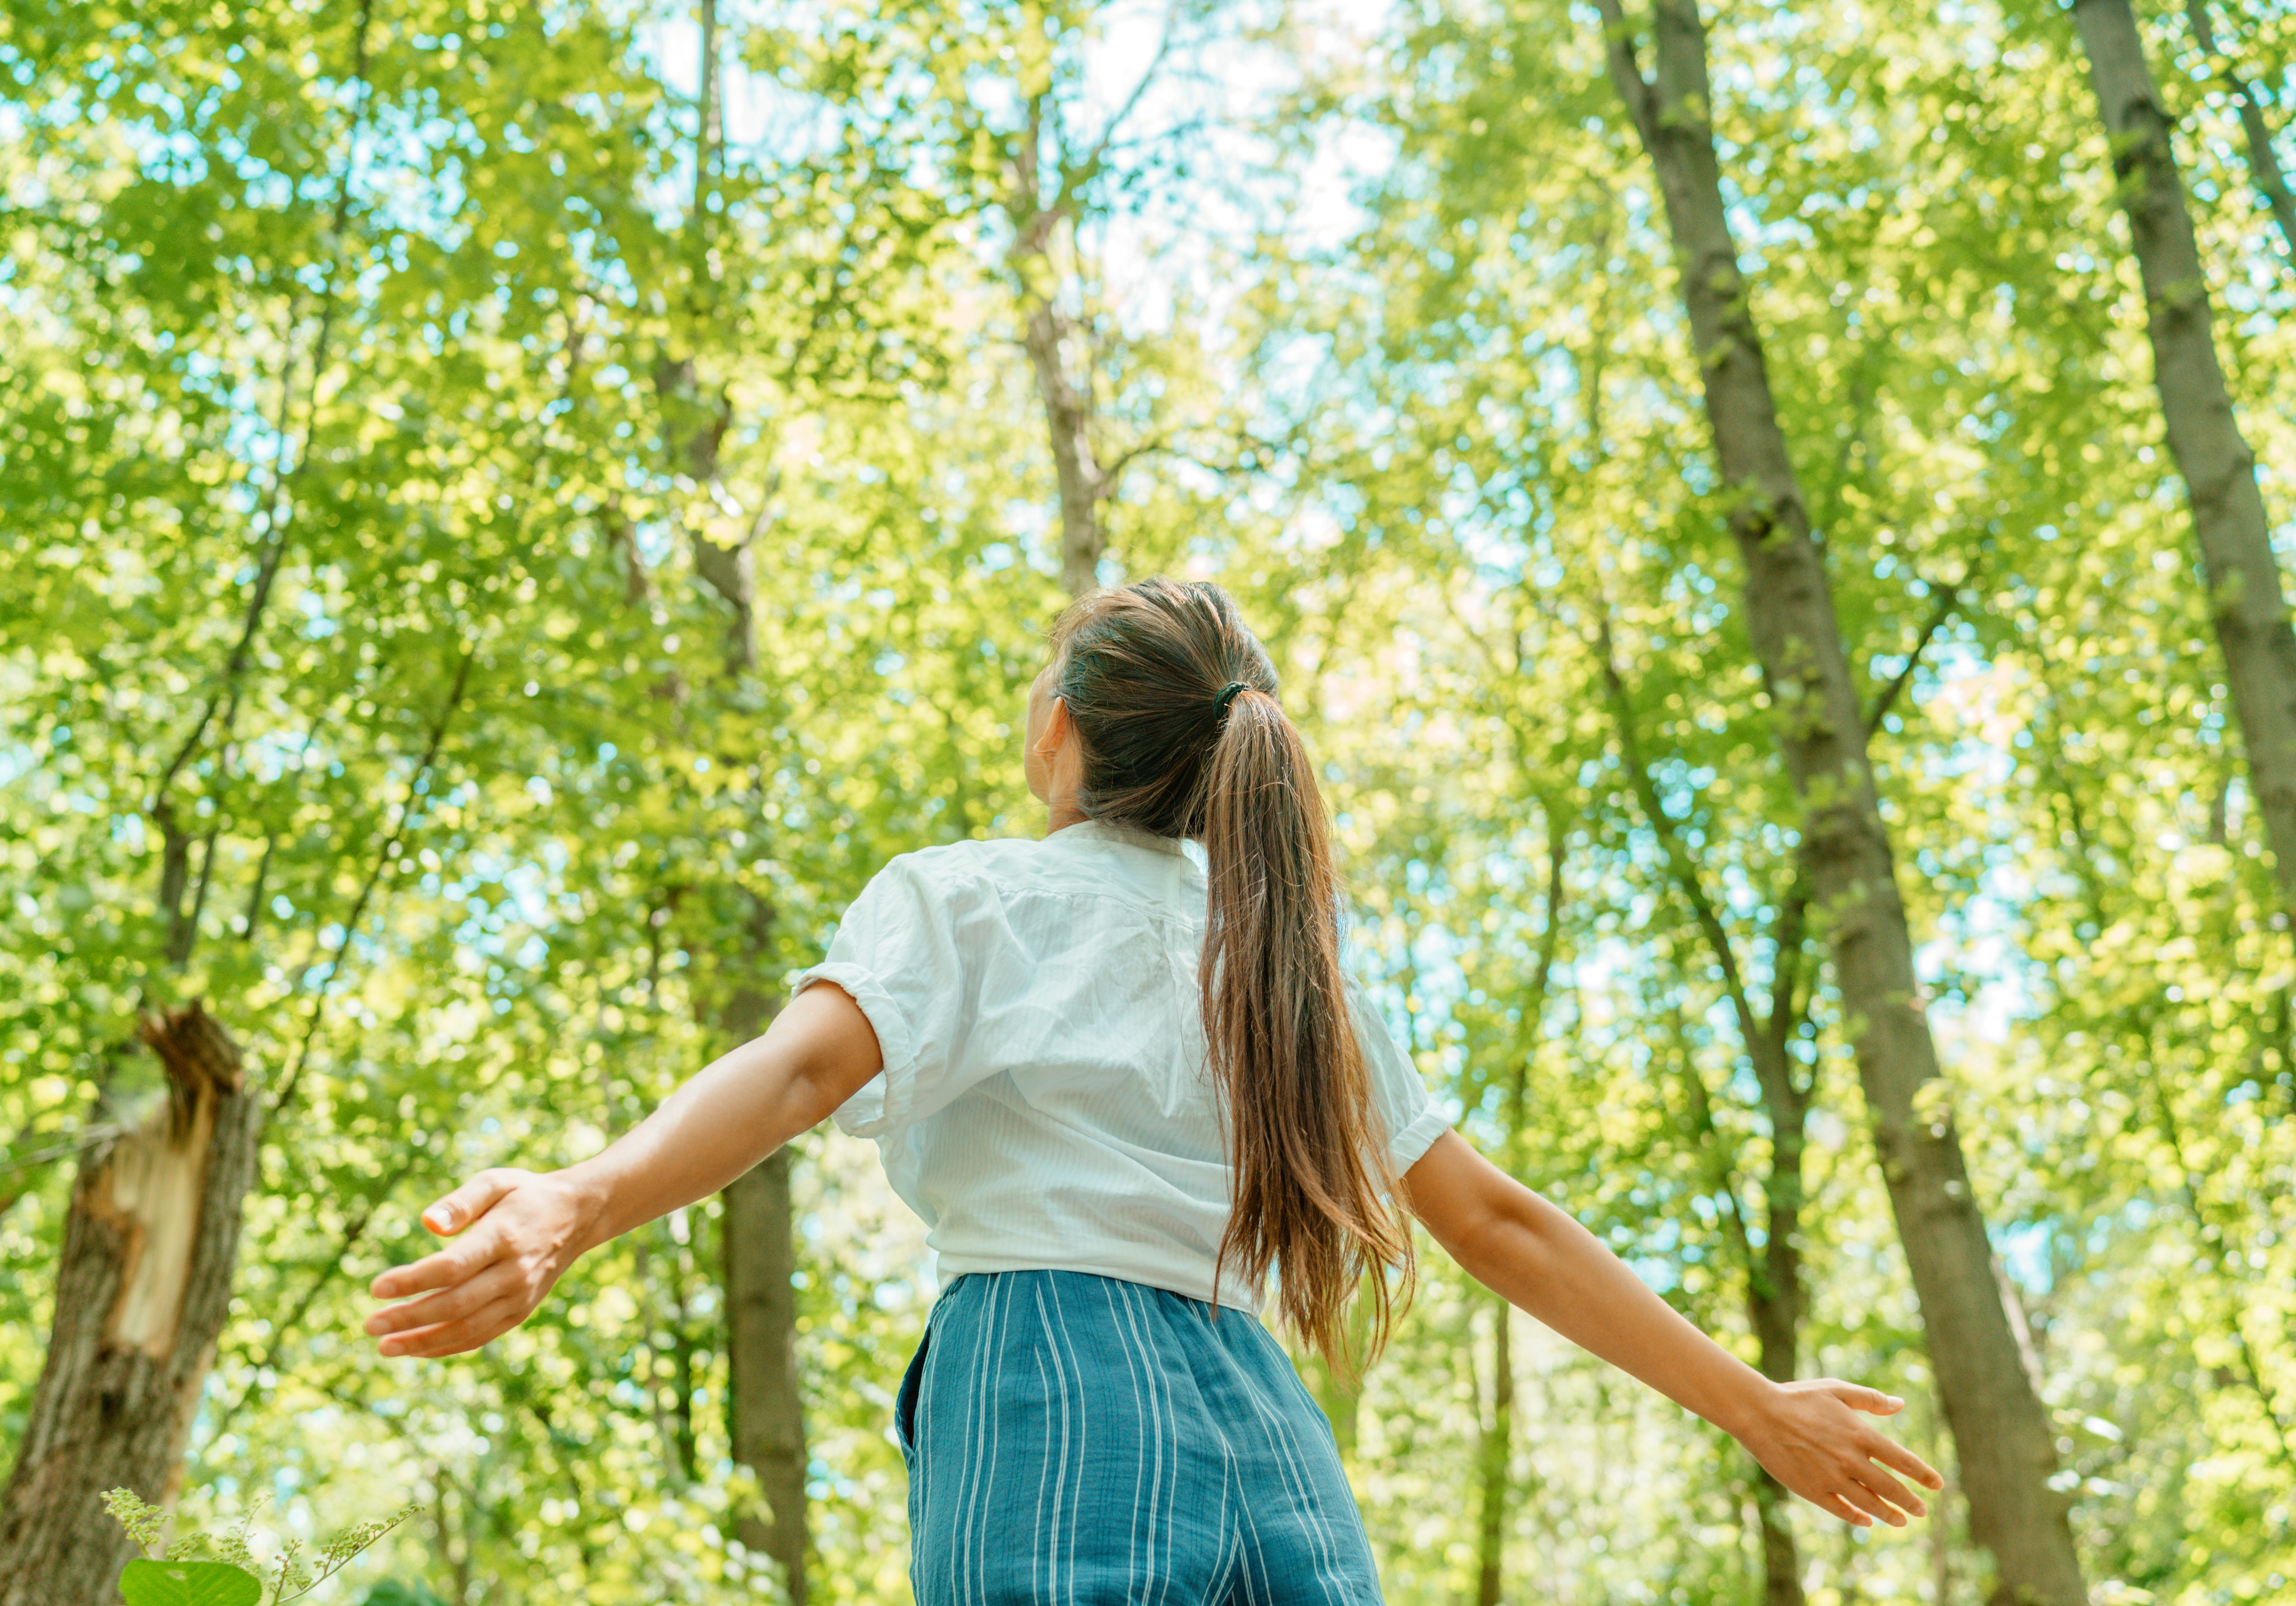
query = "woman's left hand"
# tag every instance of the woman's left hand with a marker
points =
(1812, 1438)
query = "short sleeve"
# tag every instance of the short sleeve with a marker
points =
(906, 955)
(1413, 1121)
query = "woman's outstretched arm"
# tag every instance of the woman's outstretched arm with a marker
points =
(521, 1230)
(1809, 1435)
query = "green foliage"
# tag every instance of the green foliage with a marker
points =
(144, 1523)
(424, 340)
(390, 1591)
(189, 1583)
(232, 1579)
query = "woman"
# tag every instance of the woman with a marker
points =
(1123, 1095)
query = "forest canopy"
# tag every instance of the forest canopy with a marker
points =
(1773, 525)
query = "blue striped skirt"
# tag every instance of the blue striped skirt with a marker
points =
(1073, 1438)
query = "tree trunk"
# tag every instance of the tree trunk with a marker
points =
(1777, 1334)
(1045, 330)
(141, 1291)
(757, 1232)
(1774, 1298)
(2000, 1428)
(757, 1224)
(768, 1412)
(2246, 600)
(1496, 1455)
(1495, 1452)
(1068, 417)
(2263, 160)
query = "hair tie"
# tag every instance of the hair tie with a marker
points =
(1228, 695)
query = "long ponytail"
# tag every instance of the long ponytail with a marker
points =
(1175, 704)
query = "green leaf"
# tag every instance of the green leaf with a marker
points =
(188, 1584)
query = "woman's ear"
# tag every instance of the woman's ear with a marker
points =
(1056, 730)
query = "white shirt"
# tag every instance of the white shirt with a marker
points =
(1046, 1102)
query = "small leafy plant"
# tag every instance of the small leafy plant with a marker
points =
(232, 1578)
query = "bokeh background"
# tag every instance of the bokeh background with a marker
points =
(510, 512)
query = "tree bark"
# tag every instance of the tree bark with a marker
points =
(2263, 161)
(1774, 1302)
(1045, 331)
(2000, 1428)
(1495, 1452)
(758, 1233)
(2246, 602)
(1068, 419)
(757, 1229)
(767, 1411)
(765, 1419)
(1494, 1456)
(142, 1290)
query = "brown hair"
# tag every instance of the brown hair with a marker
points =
(1175, 708)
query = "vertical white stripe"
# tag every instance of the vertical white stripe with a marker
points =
(980, 1416)
(1165, 1488)
(1076, 1371)
(921, 1486)
(1297, 1479)
(1003, 1294)
(1118, 1327)
(1044, 1470)
(960, 1552)
(1232, 1553)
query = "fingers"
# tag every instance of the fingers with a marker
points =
(444, 1304)
(1872, 1400)
(1882, 1486)
(471, 1200)
(1836, 1506)
(1891, 1453)
(488, 1322)
(1856, 1491)
(1873, 1506)
(448, 1217)
(444, 1269)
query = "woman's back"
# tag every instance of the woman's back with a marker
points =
(1045, 1103)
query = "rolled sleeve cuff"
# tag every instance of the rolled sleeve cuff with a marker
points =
(1409, 1145)
(884, 1100)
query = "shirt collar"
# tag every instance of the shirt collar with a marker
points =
(1102, 831)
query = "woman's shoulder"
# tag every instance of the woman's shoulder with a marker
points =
(1001, 870)
(966, 858)
(951, 870)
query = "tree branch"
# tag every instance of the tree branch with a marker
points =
(331, 1266)
(175, 847)
(1785, 969)
(1074, 179)
(1721, 1175)
(1534, 1004)
(1626, 72)
(383, 859)
(1669, 831)
(1948, 599)
(1114, 470)
(2263, 161)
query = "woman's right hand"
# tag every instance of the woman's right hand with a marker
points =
(1812, 1438)
(517, 1231)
